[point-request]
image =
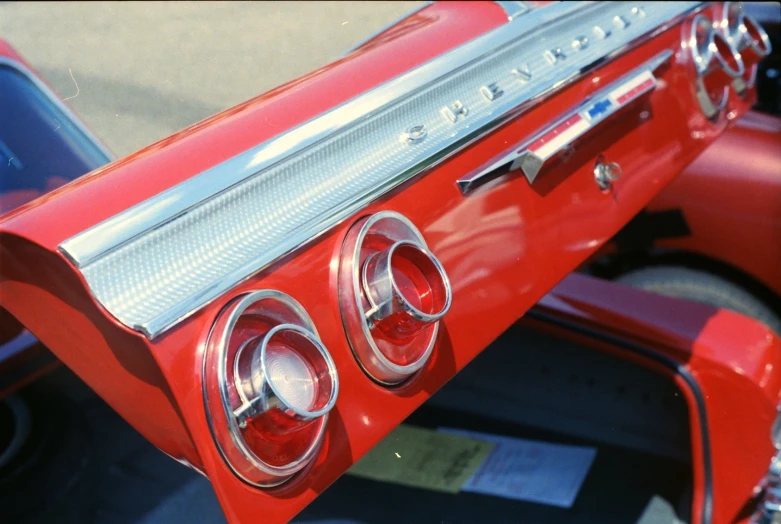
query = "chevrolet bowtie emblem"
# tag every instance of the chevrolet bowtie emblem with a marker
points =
(531, 155)
(598, 108)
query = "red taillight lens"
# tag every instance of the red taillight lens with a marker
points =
(407, 288)
(421, 280)
(716, 63)
(393, 292)
(755, 43)
(726, 65)
(268, 384)
(750, 40)
(730, 21)
(727, 61)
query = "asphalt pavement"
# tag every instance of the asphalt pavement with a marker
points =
(137, 72)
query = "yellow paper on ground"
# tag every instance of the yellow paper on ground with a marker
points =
(423, 458)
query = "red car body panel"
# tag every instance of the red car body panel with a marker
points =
(730, 198)
(733, 359)
(503, 246)
(9, 52)
(22, 358)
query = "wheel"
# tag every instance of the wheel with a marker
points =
(44, 452)
(699, 286)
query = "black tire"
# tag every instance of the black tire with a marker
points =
(700, 286)
(44, 457)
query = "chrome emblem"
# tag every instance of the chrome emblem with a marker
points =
(601, 33)
(554, 55)
(620, 22)
(452, 111)
(414, 134)
(531, 155)
(491, 91)
(522, 73)
(580, 43)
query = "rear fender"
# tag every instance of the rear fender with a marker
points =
(503, 244)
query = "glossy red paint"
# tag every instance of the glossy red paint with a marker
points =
(503, 247)
(23, 360)
(9, 52)
(730, 198)
(734, 360)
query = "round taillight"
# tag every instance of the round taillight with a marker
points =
(393, 292)
(731, 21)
(717, 65)
(407, 288)
(754, 41)
(269, 384)
(725, 60)
(750, 40)
(700, 41)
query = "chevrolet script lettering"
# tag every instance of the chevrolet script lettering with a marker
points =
(414, 134)
(476, 88)
(554, 56)
(580, 43)
(523, 73)
(620, 22)
(600, 32)
(453, 111)
(491, 91)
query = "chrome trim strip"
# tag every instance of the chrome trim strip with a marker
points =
(386, 27)
(100, 239)
(531, 160)
(491, 104)
(59, 104)
(513, 8)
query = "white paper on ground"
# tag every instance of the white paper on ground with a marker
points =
(529, 470)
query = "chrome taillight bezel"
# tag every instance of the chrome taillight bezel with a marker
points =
(713, 57)
(385, 230)
(281, 312)
(749, 25)
(738, 26)
(748, 38)
(730, 21)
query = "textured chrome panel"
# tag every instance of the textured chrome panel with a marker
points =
(159, 261)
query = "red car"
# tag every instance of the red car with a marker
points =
(279, 287)
(713, 234)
